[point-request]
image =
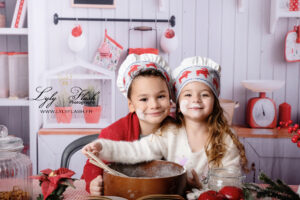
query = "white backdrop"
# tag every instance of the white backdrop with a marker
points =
(239, 41)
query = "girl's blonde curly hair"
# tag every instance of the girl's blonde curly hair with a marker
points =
(218, 128)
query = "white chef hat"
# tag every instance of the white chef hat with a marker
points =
(134, 63)
(199, 69)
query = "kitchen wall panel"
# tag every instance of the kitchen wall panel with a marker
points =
(239, 41)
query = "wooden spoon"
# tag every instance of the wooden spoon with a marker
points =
(96, 161)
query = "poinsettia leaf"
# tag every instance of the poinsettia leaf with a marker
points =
(47, 188)
(46, 171)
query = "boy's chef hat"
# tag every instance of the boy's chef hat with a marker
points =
(198, 69)
(135, 63)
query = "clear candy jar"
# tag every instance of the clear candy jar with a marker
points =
(220, 177)
(15, 168)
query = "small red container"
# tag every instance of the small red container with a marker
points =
(63, 114)
(285, 112)
(92, 114)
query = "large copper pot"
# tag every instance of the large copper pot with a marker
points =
(155, 177)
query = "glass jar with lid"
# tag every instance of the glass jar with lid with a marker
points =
(15, 168)
(220, 177)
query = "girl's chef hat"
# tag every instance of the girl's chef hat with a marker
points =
(135, 63)
(198, 69)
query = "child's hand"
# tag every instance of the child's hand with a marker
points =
(96, 186)
(94, 147)
(194, 182)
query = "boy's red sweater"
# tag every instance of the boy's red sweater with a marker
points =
(125, 129)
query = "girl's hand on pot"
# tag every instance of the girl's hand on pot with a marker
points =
(96, 188)
(93, 147)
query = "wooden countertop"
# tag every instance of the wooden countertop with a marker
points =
(68, 131)
(247, 132)
(243, 132)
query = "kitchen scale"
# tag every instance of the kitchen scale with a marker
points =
(261, 111)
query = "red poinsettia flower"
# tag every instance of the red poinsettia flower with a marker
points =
(51, 179)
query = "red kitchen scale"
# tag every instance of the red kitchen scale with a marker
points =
(261, 111)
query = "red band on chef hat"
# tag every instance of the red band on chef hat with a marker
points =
(198, 69)
(134, 63)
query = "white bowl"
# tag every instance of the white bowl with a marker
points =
(262, 85)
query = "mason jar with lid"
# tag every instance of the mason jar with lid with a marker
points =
(220, 177)
(15, 168)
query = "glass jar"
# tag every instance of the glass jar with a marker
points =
(220, 177)
(15, 168)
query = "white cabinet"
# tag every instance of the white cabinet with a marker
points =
(279, 158)
(279, 9)
(51, 144)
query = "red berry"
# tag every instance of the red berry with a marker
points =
(298, 144)
(290, 122)
(278, 127)
(295, 129)
(286, 124)
(295, 138)
(290, 129)
(298, 132)
(296, 126)
(281, 123)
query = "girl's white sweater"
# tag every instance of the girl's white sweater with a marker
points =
(172, 145)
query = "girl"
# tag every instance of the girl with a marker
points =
(145, 81)
(201, 138)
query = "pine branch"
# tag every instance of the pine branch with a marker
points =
(287, 189)
(276, 189)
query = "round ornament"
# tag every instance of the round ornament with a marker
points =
(168, 41)
(76, 39)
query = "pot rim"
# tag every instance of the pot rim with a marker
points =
(183, 172)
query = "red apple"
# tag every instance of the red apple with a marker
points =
(232, 193)
(211, 195)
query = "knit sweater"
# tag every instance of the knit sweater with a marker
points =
(127, 129)
(172, 145)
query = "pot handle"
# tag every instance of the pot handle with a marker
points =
(142, 28)
(161, 197)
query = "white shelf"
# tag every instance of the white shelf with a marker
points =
(278, 12)
(81, 76)
(13, 31)
(13, 102)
